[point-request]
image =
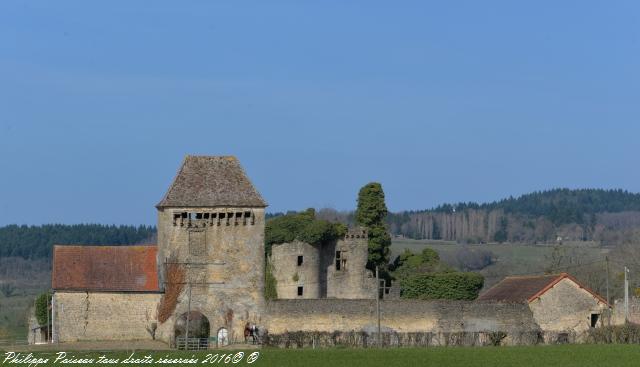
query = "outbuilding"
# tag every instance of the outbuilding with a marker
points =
(561, 305)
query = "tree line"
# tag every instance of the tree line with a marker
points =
(36, 242)
(583, 214)
(560, 206)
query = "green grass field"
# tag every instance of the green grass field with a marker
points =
(547, 356)
(13, 313)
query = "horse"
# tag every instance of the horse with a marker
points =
(251, 331)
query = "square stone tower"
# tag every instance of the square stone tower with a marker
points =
(211, 224)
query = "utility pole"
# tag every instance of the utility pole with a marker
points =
(606, 258)
(35, 307)
(626, 294)
(48, 322)
(378, 306)
(186, 338)
(608, 313)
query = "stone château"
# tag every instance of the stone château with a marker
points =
(207, 271)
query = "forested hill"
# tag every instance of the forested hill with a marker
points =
(560, 206)
(583, 214)
(36, 242)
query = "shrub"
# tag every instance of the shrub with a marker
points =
(301, 226)
(616, 334)
(495, 337)
(450, 285)
(473, 258)
(321, 231)
(408, 264)
(270, 283)
(42, 305)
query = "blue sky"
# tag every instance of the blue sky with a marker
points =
(440, 102)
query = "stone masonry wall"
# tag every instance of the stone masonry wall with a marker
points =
(289, 275)
(436, 320)
(224, 260)
(634, 311)
(104, 316)
(353, 280)
(567, 308)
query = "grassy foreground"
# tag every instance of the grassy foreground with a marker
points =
(547, 356)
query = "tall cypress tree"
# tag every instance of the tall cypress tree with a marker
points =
(371, 213)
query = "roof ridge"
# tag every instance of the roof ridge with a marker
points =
(562, 276)
(104, 246)
(211, 156)
(533, 276)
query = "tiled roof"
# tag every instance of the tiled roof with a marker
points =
(105, 268)
(528, 288)
(208, 181)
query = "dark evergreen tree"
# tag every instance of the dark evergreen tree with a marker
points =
(372, 213)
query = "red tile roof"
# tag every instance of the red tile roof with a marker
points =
(529, 288)
(105, 268)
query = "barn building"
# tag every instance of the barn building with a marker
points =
(560, 304)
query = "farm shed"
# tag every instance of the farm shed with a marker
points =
(560, 304)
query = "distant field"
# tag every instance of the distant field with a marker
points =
(13, 313)
(511, 259)
(13, 309)
(548, 356)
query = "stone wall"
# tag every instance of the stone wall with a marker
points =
(103, 316)
(353, 280)
(36, 334)
(413, 321)
(634, 311)
(224, 259)
(291, 274)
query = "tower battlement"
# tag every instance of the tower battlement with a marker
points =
(356, 232)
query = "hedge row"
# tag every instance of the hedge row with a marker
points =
(450, 285)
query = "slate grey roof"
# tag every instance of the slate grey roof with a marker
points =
(210, 181)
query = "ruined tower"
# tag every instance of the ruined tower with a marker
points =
(211, 224)
(335, 269)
